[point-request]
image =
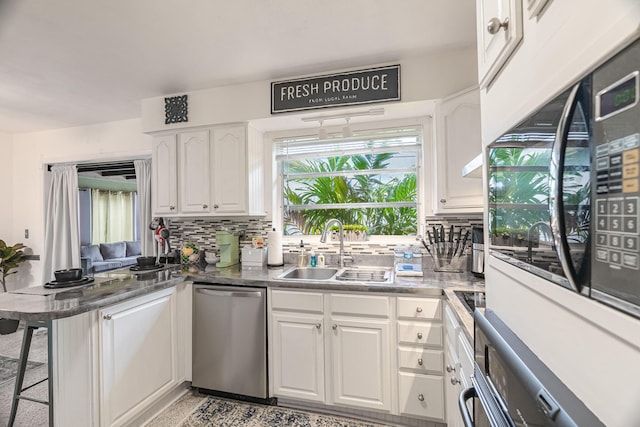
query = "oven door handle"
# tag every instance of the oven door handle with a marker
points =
(466, 395)
(556, 204)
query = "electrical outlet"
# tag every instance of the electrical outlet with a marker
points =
(26, 233)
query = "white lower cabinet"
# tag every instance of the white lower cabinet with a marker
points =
(138, 355)
(298, 356)
(331, 348)
(453, 388)
(458, 367)
(361, 373)
(380, 352)
(420, 358)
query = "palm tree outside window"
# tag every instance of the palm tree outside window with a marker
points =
(368, 181)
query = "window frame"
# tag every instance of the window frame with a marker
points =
(424, 170)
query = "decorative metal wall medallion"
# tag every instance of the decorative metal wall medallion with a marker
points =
(175, 109)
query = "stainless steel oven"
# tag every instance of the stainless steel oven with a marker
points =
(564, 191)
(512, 387)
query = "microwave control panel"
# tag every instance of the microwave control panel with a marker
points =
(617, 203)
(615, 209)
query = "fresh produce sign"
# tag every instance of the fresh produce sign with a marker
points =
(334, 90)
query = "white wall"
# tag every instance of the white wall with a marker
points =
(592, 348)
(32, 151)
(426, 77)
(6, 188)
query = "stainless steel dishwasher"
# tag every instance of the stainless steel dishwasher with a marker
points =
(230, 340)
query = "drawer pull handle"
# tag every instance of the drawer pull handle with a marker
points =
(420, 361)
(419, 335)
(107, 317)
(421, 397)
(318, 325)
(334, 327)
(455, 381)
(419, 309)
(451, 368)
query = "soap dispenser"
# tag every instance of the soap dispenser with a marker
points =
(302, 256)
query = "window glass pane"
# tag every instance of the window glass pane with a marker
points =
(366, 186)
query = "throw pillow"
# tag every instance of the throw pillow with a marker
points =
(134, 248)
(92, 252)
(113, 250)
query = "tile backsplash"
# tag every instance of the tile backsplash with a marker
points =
(202, 232)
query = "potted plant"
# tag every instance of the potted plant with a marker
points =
(10, 259)
(351, 233)
(501, 236)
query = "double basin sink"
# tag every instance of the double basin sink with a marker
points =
(338, 275)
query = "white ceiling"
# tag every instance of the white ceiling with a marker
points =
(75, 62)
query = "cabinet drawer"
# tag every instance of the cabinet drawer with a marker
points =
(421, 395)
(310, 302)
(419, 308)
(420, 333)
(420, 360)
(360, 305)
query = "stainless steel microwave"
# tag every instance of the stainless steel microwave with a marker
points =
(564, 191)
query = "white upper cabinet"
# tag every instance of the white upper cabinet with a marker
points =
(195, 184)
(215, 171)
(499, 26)
(458, 140)
(164, 188)
(229, 165)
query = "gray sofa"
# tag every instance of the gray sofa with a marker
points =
(109, 256)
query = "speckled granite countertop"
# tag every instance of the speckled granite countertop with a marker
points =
(38, 303)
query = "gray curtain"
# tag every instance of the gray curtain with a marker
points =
(143, 179)
(61, 229)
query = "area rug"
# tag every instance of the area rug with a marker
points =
(229, 413)
(9, 367)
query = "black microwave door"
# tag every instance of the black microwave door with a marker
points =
(519, 189)
(570, 187)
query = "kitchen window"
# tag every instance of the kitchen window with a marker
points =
(368, 181)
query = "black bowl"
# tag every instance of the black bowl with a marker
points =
(68, 274)
(146, 261)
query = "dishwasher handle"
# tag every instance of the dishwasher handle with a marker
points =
(239, 294)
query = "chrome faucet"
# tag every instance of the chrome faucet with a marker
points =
(546, 229)
(323, 237)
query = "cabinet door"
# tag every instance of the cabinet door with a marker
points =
(458, 141)
(138, 355)
(194, 172)
(298, 356)
(361, 363)
(164, 180)
(452, 389)
(229, 167)
(499, 29)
